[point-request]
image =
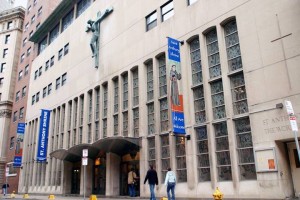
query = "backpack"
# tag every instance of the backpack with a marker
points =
(172, 177)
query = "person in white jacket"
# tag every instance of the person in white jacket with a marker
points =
(170, 182)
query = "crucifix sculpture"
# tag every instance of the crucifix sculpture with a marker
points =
(94, 26)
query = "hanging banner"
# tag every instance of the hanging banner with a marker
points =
(19, 145)
(43, 136)
(176, 95)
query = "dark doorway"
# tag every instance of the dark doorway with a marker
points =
(125, 168)
(75, 183)
(99, 176)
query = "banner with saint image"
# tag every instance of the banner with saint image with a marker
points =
(19, 145)
(176, 97)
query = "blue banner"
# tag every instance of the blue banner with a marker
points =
(19, 145)
(176, 95)
(43, 136)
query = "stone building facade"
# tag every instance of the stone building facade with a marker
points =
(238, 66)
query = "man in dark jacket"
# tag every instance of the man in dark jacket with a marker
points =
(152, 180)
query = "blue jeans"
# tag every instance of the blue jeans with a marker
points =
(171, 186)
(4, 191)
(152, 194)
(131, 190)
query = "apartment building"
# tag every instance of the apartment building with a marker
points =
(11, 24)
(111, 93)
(36, 12)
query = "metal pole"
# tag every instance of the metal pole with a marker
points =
(84, 182)
(297, 144)
(6, 176)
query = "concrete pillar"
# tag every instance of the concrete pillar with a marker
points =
(112, 174)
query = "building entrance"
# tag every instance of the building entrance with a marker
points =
(99, 176)
(124, 170)
(295, 167)
(75, 183)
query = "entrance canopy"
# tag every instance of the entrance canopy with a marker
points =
(118, 145)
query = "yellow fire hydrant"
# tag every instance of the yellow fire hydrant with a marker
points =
(12, 195)
(218, 195)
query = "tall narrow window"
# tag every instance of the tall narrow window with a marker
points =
(239, 95)
(17, 96)
(116, 95)
(116, 125)
(3, 66)
(151, 151)
(5, 52)
(202, 154)
(49, 88)
(181, 159)
(162, 76)
(125, 123)
(135, 81)
(150, 88)
(63, 79)
(151, 118)
(125, 91)
(70, 115)
(199, 103)
(20, 75)
(104, 110)
(7, 39)
(165, 155)
(233, 46)
(24, 91)
(81, 110)
(222, 152)
(136, 122)
(213, 54)
(245, 149)
(97, 102)
(90, 111)
(89, 139)
(75, 112)
(97, 136)
(57, 85)
(164, 116)
(218, 100)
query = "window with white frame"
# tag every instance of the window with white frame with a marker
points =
(150, 88)
(97, 103)
(12, 143)
(60, 54)
(66, 49)
(17, 96)
(90, 106)
(151, 21)
(116, 95)
(49, 88)
(51, 61)
(37, 97)
(32, 99)
(26, 70)
(12, 171)
(24, 91)
(22, 57)
(7, 39)
(39, 11)
(5, 52)
(40, 71)
(167, 10)
(104, 110)
(57, 85)
(81, 110)
(24, 41)
(44, 92)
(32, 19)
(162, 76)
(21, 114)
(15, 117)
(20, 75)
(28, 51)
(47, 65)
(151, 118)
(3, 66)
(9, 25)
(135, 113)
(63, 79)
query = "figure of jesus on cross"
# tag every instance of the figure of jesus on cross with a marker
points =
(94, 26)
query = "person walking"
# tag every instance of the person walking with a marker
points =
(170, 182)
(5, 186)
(131, 181)
(152, 179)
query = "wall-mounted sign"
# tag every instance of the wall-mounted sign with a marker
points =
(265, 160)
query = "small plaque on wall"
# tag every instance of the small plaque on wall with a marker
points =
(265, 160)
